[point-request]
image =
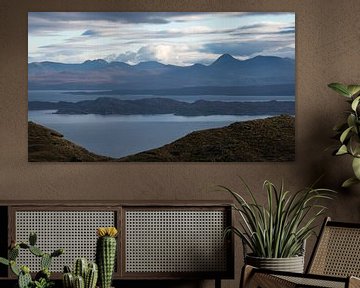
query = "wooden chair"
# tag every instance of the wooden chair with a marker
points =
(334, 263)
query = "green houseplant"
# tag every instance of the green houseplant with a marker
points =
(275, 233)
(42, 278)
(348, 132)
(106, 254)
(84, 274)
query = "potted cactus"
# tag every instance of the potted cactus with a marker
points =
(106, 254)
(84, 275)
(42, 278)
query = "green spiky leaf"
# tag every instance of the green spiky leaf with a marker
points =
(279, 228)
(340, 88)
(353, 89)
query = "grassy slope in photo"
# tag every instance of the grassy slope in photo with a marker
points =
(271, 139)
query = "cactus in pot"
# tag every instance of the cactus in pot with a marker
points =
(81, 266)
(68, 278)
(42, 278)
(91, 276)
(106, 254)
(85, 275)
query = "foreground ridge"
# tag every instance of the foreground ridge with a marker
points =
(270, 139)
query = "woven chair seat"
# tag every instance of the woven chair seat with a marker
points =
(335, 262)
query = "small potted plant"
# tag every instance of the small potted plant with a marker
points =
(106, 254)
(349, 132)
(275, 233)
(42, 278)
(84, 274)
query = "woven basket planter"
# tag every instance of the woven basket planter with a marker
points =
(291, 264)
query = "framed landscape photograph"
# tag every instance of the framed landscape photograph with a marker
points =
(161, 86)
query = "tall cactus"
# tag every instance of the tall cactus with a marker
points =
(106, 254)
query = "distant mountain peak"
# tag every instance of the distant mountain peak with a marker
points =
(225, 59)
(226, 56)
(149, 65)
(96, 61)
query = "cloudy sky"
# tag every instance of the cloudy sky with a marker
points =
(171, 38)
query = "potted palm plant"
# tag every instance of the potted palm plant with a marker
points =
(348, 132)
(275, 233)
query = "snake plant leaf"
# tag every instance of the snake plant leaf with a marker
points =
(340, 88)
(349, 182)
(342, 150)
(353, 89)
(356, 167)
(355, 103)
(345, 134)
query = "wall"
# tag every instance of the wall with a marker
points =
(327, 50)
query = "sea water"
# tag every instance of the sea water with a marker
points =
(122, 135)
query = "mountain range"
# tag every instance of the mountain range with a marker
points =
(226, 71)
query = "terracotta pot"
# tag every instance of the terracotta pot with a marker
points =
(291, 264)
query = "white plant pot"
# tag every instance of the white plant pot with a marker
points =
(291, 264)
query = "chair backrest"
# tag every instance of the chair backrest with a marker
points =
(337, 251)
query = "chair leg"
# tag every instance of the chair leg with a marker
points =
(354, 282)
(246, 274)
(251, 279)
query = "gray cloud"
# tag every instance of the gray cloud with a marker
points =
(57, 20)
(262, 29)
(78, 32)
(287, 31)
(124, 17)
(46, 20)
(145, 53)
(90, 33)
(243, 49)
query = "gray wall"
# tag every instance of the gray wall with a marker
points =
(327, 50)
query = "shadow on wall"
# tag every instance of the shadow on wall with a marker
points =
(333, 169)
